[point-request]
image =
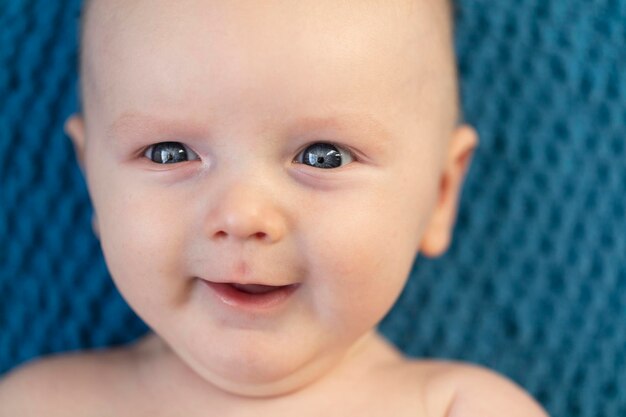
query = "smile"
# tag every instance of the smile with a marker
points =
(251, 297)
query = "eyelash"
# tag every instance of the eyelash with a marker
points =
(342, 151)
(149, 152)
(338, 151)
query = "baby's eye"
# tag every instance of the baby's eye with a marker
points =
(324, 155)
(169, 153)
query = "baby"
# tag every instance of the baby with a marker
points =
(263, 175)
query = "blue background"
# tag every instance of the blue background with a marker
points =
(534, 284)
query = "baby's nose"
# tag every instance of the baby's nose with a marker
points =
(245, 212)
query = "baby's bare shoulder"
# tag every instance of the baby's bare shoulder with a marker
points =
(61, 385)
(455, 389)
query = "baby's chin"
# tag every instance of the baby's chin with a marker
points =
(261, 375)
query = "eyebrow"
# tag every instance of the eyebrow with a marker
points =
(138, 123)
(135, 123)
(363, 123)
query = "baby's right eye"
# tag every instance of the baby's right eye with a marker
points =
(169, 153)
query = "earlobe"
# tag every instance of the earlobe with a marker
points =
(75, 129)
(438, 235)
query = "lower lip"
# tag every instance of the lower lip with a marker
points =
(251, 302)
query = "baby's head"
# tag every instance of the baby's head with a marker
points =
(309, 143)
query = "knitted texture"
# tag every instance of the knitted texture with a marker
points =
(534, 284)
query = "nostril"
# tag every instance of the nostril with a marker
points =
(258, 235)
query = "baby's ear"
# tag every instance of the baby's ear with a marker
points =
(438, 235)
(75, 129)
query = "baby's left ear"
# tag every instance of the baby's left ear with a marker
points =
(438, 235)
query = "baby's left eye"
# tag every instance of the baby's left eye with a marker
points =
(325, 156)
(169, 153)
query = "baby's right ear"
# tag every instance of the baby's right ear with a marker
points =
(75, 129)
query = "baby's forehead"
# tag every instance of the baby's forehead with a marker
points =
(437, 9)
(256, 37)
(407, 19)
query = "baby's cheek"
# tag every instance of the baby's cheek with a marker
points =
(362, 266)
(141, 242)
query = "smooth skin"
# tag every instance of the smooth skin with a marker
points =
(245, 87)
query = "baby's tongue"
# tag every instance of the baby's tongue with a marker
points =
(255, 288)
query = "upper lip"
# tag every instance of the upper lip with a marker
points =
(241, 282)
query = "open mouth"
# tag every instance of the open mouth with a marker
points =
(251, 296)
(256, 288)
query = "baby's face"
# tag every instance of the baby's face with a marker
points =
(307, 145)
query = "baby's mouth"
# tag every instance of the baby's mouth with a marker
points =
(256, 288)
(252, 297)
